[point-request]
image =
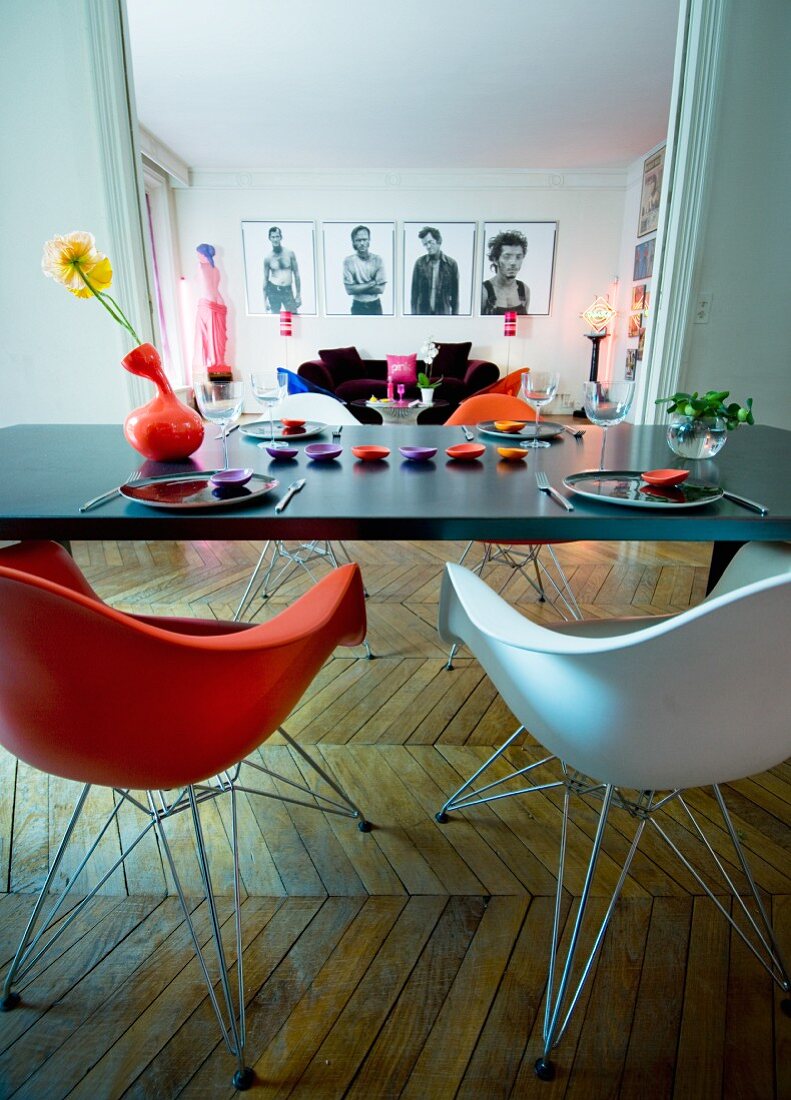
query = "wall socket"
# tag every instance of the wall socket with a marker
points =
(702, 309)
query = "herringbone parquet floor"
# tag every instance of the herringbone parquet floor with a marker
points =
(409, 961)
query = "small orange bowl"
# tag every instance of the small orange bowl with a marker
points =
(465, 452)
(509, 425)
(370, 453)
(512, 454)
(665, 478)
(293, 423)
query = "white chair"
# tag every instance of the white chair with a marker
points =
(635, 711)
(279, 560)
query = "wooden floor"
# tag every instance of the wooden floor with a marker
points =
(410, 961)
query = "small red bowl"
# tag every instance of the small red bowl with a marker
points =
(370, 453)
(665, 478)
(292, 423)
(465, 452)
(512, 454)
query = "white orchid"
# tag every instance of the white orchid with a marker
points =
(429, 352)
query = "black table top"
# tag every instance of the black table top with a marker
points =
(48, 471)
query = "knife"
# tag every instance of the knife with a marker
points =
(293, 488)
(753, 505)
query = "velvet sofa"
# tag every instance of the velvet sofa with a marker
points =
(344, 373)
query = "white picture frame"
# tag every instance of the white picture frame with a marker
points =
(457, 244)
(337, 242)
(299, 239)
(537, 268)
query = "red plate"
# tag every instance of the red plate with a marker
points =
(665, 478)
(465, 452)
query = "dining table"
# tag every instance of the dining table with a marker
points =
(50, 470)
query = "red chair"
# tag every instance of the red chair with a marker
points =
(518, 555)
(168, 706)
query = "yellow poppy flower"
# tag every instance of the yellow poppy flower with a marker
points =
(99, 275)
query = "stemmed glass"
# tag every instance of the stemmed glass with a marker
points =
(220, 403)
(607, 403)
(269, 388)
(538, 387)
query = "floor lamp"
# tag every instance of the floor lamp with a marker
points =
(598, 315)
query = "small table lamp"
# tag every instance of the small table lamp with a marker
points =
(598, 315)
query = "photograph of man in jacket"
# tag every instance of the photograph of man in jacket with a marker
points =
(435, 278)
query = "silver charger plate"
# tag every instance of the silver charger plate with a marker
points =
(627, 487)
(547, 429)
(195, 491)
(260, 429)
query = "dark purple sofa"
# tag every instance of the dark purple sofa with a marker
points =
(344, 373)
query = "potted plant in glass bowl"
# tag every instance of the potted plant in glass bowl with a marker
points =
(699, 423)
(426, 384)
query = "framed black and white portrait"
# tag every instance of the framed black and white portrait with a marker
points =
(359, 268)
(439, 258)
(653, 170)
(279, 267)
(518, 266)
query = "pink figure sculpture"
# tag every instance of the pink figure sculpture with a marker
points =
(211, 330)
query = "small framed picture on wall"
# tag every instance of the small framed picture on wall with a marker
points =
(438, 268)
(359, 267)
(652, 190)
(638, 298)
(279, 267)
(635, 323)
(518, 265)
(631, 364)
(644, 260)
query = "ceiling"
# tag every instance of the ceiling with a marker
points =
(378, 85)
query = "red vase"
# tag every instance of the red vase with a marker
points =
(165, 429)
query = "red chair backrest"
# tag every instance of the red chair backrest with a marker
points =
(490, 406)
(92, 694)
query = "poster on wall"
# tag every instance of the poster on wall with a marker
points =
(438, 268)
(635, 324)
(644, 259)
(651, 193)
(631, 364)
(279, 267)
(518, 263)
(639, 298)
(359, 264)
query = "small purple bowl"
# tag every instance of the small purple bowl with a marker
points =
(281, 452)
(322, 452)
(231, 479)
(418, 454)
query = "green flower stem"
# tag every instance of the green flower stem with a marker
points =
(117, 313)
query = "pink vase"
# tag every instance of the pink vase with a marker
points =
(165, 429)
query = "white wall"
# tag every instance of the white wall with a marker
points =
(743, 261)
(588, 209)
(59, 356)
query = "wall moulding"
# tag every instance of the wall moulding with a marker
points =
(408, 181)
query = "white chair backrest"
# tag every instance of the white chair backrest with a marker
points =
(316, 406)
(687, 700)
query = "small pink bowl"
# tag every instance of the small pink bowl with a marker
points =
(665, 478)
(323, 452)
(370, 453)
(227, 479)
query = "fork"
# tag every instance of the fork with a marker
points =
(336, 432)
(542, 481)
(578, 434)
(96, 501)
(468, 435)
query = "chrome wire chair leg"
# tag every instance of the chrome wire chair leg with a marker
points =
(249, 592)
(564, 590)
(766, 950)
(460, 800)
(553, 1027)
(345, 808)
(233, 1032)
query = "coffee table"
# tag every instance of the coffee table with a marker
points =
(399, 412)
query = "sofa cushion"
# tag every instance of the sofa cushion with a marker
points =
(402, 369)
(346, 361)
(360, 389)
(451, 360)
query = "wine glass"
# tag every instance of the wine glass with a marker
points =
(538, 387)
(269, 388)
(221, 403)
(607, 403)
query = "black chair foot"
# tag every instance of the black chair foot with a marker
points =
(544, 1069)
(441, 817)
(10, 1001)
(364, 826)
(785, 1006)
(243, 1079)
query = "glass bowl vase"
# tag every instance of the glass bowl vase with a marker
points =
(693, 438)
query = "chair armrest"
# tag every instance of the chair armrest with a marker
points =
(318, 373)
(479, 374)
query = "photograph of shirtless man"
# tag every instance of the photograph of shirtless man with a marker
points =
(282, 287)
